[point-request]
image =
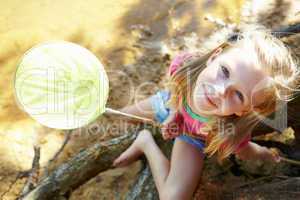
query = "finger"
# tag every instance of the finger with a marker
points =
(165, 135)
(169, 118)
(277, 158)
(116, 163)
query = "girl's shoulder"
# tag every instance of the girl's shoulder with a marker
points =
(179, 60)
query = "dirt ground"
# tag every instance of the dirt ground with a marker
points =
(134, 39)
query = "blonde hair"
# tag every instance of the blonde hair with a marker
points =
(276, 60)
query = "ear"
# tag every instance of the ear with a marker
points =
(214, 55)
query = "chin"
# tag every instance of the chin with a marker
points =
(226, 115)
(205, 111)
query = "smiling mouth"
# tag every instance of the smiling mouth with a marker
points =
(209, 99)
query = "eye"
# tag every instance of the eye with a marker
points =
(240, 95)
(225, 71)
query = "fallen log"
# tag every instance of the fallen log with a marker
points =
(83, 167)
(144, 186)
(288, 189)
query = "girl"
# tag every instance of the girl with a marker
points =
(213, 101)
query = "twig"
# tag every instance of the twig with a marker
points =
(117, 112)
(67, 138)
(282, 176)
(60, 150)
(287, 31)
(19, 175)
(144, 120)
(253, 181)
(290, 161)
(33, 173)
(260, 179)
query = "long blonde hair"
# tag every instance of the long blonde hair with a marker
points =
(276, 60)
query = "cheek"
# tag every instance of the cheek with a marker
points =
(209, 75)
(197, 93)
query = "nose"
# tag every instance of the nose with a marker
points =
(221, 90)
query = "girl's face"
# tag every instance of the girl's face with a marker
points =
(228, 84)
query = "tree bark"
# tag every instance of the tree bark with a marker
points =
(288, 189)
(33, 173)
(144, 186)
(83, 167)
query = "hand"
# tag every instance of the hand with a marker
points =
(171, 126)
(271, 154)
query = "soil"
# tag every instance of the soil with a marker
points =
(135, 40)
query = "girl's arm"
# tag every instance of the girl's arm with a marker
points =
(142, 109)
(170, 128)
(253, 151)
